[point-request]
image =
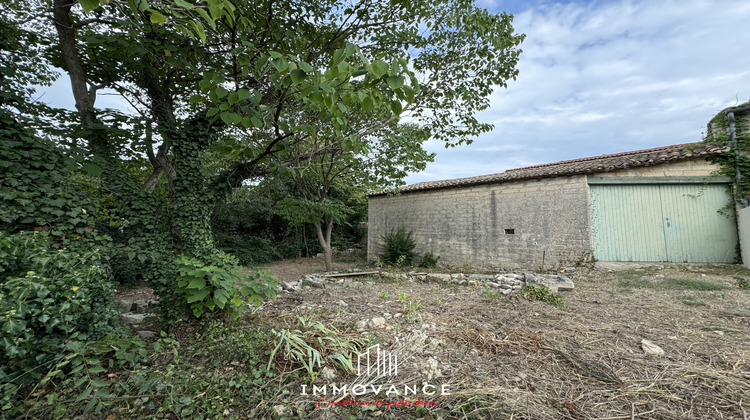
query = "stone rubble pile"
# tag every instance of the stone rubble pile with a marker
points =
(506, 283)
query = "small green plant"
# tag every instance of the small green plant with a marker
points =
(542, 293)
(440, 299)
(742, 283)
(412, 311)
(402, 297)
(383, 295)
(429, 260)
(414, 306)
(399, 247)
(376, 262)
(492, 294)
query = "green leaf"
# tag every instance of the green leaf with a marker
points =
(198, 28)
(395, 82)
(206, 17)
(89, 5)
(221, 91)
(243, 94)
(196, 283)
(379, 68)
(157, 17)
(298, 76)
(396, 107)
(92, 169)
(305, 66)
(198, 295)
(184, 4)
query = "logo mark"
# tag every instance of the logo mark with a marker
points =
(379, 362)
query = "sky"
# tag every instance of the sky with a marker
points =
(596, 77)
(600, 77)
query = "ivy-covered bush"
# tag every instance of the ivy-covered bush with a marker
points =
(35, 187)
(50, 297)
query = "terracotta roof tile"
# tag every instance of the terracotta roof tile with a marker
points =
(588, 165)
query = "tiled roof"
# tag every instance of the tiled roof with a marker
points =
(589, 165)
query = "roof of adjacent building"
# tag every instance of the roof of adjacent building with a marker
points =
(588, 165)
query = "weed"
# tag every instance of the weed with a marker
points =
(429, 260)
(440, 299)
(541, 293)
(310, 343)
(412, 311)
(383, 295)
(402, 297)
(742, 283)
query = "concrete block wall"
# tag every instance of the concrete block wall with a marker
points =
(526, 224)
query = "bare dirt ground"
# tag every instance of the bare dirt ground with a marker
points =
(509, 357)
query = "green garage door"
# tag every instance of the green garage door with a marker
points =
(678, 222)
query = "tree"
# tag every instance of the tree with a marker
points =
(325, 169)
(244, 80)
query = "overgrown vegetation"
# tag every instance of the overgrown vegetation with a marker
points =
(719, 133)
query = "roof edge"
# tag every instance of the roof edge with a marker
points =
(580, 166)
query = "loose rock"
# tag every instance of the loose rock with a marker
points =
(651, 349)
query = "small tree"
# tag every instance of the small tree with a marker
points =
(326, 169)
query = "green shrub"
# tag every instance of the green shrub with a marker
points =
(429, 260)
(210, 283)
(399, 247)
(541, 293)
(50, 298)
(249, 250)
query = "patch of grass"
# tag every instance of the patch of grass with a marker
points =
(671, 283)
(742, 282)
(693, 301)
(492, 293)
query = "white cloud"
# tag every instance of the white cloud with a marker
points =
(607, 77)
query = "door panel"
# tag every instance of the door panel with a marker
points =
(667, 222)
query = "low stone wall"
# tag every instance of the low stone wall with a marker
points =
(506, 283)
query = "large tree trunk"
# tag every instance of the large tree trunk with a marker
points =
(325, 242)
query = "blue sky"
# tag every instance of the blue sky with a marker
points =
(596, 77)
(600, 77)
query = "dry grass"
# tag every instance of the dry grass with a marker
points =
(515, 359)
